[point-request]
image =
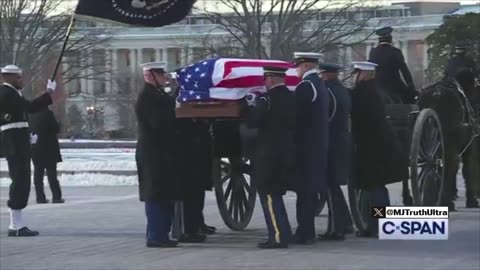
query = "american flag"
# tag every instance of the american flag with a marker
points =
(227, 78)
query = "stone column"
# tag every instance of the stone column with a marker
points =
(108, 75)
(348, 55)
(90, 72)
(190, 56)
(368, 49)
(133, 68)
(183, 56)
(139, 57)
(404, 48)
(158, 55)
(425, 56)
(114, 71)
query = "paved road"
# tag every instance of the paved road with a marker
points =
(103, 228)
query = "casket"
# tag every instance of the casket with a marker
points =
(215, 87)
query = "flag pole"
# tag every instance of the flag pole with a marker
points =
(67, 37)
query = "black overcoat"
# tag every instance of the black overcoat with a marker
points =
(194, 150)
(274, 158)
(47, 149)
(378, 158)
(391, 64)
(155, 152)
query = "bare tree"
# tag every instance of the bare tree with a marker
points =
(31, 35)
(277, 28)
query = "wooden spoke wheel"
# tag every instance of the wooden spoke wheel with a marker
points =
(359, 206)
(427, 159)
(234, 190)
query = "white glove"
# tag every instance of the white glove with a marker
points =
(33, 138)
(251, 99)
(51, 86)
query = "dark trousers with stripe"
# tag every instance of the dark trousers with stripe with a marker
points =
(276, 217)
(339, 218)
(378, 197)
(159, 220)
(193, 210)
(39, 173)
(19, 171)
(306, 206)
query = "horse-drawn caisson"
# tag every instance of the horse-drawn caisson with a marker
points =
(440, 128)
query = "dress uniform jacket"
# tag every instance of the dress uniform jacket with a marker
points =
(47, 149)
(391, 63)
(312, 133)
(274, 116)
(458, 63)
(14, 108)
(340, 141)
(155, 153)
(378, 158)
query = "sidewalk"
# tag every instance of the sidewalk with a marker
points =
(104, 228)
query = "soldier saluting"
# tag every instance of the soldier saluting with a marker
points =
(155, 155)
(312, 111)
(15, 142)
(273, 113)
(391, 64)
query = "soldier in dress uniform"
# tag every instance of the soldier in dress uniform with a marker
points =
(312, 110)
(378, 159)
(339, 154)
(391, 64)
(15, 139)
(46, 154)
(273, 113)
(156, 155)
(460, 61)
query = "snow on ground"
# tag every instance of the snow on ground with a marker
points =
(87, 180)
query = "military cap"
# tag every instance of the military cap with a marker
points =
(11, 69)
(154, 66)
(384, 31)
(461, 46)
(274, 71)
(330, 68)
(364, 65)
(306, 57)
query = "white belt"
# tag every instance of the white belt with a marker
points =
(14, 125)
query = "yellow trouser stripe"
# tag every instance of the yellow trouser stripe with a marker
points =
(272, 217)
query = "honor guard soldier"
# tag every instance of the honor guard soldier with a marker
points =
(15, 140)
(339, 154)
(378, 159)
(460, 61)
(273, 113)
(312, 104)
(391, 64)
(155, 155)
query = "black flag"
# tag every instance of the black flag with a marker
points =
(153, 13)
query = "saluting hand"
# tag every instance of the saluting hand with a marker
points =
(51, 86)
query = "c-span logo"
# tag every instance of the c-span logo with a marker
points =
(413, 229)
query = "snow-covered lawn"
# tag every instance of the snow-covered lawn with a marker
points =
(118, 159)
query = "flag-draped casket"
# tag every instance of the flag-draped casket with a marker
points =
(213, 87)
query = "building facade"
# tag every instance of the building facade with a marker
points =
(107, 100)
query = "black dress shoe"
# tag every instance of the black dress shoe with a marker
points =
(304, 241)
(43, 201)
(209, 230)
(23, 232)
(331, 237)
(349, 230)
(407, 200)
(451, 207)
(366, 234)
(472, 203)
(192, 238)
(58, 201)
(162, 244)
(271, 245)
